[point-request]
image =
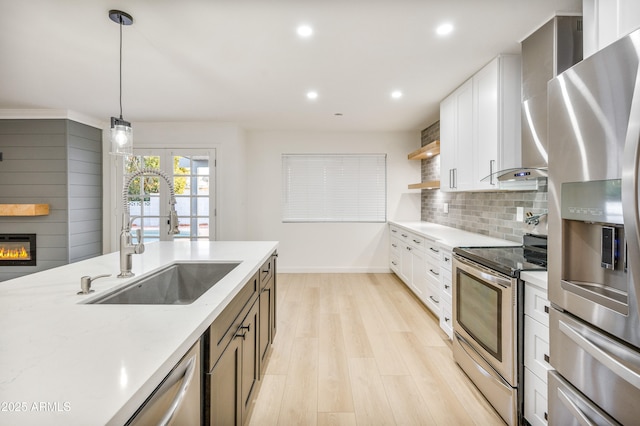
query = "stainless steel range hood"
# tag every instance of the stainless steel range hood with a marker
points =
(550, 50)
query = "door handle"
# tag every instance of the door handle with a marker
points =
(601, 355)
(574, 409)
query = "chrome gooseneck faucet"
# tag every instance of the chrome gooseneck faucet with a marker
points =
(127, 248)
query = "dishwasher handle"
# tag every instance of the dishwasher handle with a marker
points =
(186, 378)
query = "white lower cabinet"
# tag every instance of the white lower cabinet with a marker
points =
(536, 354)
(412, 258)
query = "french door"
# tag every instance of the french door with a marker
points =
(192, 172)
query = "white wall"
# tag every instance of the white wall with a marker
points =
(231, 197)
(605, 21)
(328, 247)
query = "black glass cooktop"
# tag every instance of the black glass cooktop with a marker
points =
(531, 256)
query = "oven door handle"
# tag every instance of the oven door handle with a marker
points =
(496, 378)
(605, 358)
(483, 273)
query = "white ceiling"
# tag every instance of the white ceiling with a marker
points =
(241, 61)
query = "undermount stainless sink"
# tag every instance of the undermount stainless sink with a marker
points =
(177, 284)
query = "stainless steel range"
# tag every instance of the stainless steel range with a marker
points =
(488, 307)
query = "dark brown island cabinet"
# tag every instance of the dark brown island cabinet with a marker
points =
(237, 347)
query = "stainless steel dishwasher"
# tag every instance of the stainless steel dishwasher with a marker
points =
(176, 401)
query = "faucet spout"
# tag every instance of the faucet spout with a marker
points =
(127, 248)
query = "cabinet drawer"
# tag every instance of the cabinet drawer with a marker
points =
(445, 279)
(536, 304)
(394, 263)
(395, 246)
(432, 298)
(535, 399)
(446, 320)
(267, 270)
(433, 272)
(445, 259)
(416, 241)
(433, 249)
(225, 325)
(394, 231)
(536, 347)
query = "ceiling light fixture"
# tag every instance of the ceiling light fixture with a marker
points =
(312, 95)
(444, 29)
(121, 132)
(305, 31)
(396, 94)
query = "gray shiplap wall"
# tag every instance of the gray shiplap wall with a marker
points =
(487, 213)
(57, 162)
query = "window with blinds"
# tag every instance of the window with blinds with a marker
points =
(334, 187)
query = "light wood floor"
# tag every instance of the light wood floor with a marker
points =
(359, 349)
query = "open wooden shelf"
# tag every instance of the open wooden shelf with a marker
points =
(426, 151)
(432, 184)
(24, 209)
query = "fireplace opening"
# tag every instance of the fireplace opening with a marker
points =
(17, 249)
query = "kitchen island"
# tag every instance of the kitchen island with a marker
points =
(63, 361)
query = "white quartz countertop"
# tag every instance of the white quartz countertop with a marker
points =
(63, 361)
(451, 237)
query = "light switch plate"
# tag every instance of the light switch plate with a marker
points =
(445, 207)
(520, 214)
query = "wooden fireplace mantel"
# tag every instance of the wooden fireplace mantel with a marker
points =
(24, 209)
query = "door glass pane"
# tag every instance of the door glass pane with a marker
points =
(191, 181)
(479, 312)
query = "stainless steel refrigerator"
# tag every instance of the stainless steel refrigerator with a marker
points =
(594, 239)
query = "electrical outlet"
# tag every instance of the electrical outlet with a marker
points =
(445, 207)
(519, 214)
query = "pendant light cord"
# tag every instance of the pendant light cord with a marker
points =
(121, 24)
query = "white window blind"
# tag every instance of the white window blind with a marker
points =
(334, 187)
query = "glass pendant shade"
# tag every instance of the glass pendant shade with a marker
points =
(121, 137)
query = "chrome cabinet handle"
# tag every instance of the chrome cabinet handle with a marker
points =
(434, 272)
(447, 287)
(409, 248)
(182, 392)
(434, 250)
(434, 300)
(393, 245)
(417, 242)
(394, 263)
(394, 231)
(599, 354)
(447, 319)
(404, 235)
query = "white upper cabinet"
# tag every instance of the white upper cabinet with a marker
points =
(605, 21)
(456, 137)
(480, 127)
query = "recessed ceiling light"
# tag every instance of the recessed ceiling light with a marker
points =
(304, 31)
(312, 94)
(444, 29)
(396, 94)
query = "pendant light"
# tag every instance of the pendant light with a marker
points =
(121, 132)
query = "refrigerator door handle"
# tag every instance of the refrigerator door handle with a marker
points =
(605, 358)
(630, 188)
(573, 408)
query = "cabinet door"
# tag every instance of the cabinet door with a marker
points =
(224, 385)
(418, 273)
(406, 263)
(250, 358)
(464, 170)
(447, 143)
(485, 91)
(266, 315)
